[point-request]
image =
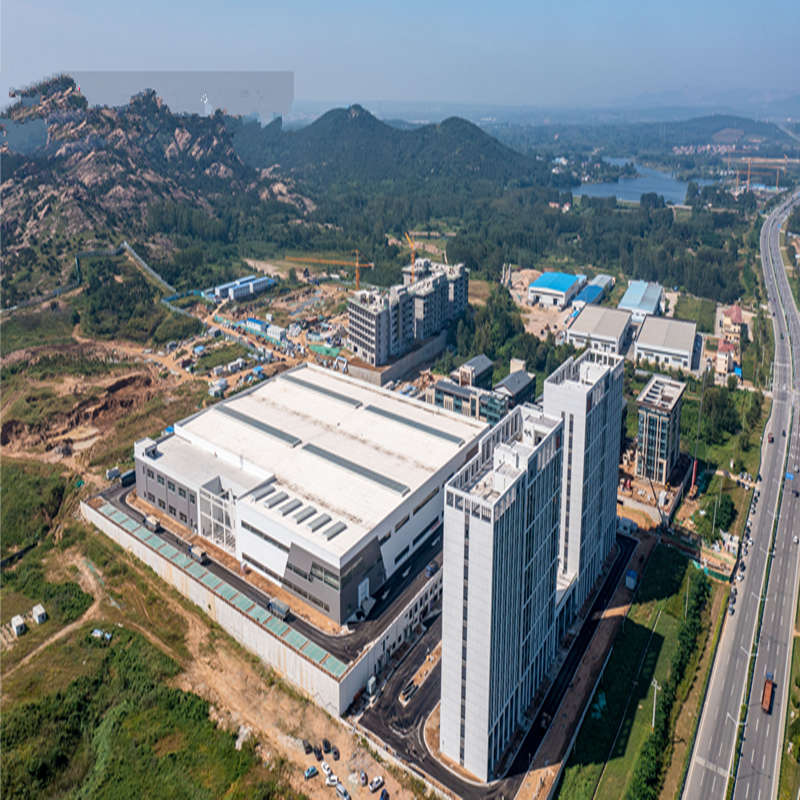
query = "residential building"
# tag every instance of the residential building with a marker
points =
(601, 328)
(555, 289)
(323, 484)
(659, 431)
(475, 372)
(471, 401)
(667, 342)
(518, 386)
(732, 323)
(642, 299)
(498, 607)
(384, 325)
(725, 359)
(586, 393)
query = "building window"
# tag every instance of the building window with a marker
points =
(160, 479)
(401, 555)
(161, 503)
(181, 491)
(182, 517)
(191, 499)
(171, 486)
(150, 473)
(172, 511)
(151, 497)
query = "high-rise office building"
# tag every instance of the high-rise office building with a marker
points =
(586, 393)
(501, 530)
(659, 430)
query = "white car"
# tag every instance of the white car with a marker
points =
(331, 780)
(796, 540)
(325, 768)
(375, 783)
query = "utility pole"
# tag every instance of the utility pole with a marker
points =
(688, 581)
(656, 687)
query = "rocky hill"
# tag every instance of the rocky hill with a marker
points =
(71, 172)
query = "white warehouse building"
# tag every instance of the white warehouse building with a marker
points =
(667, 342)
(322, 483)
(600, 328)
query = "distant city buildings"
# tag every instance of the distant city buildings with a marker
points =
(384, 325)
(658, 440)
(500, 564)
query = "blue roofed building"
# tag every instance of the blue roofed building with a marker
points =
(555, 289)
(642, 299)
(591, 293)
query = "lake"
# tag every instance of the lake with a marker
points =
(630, 190)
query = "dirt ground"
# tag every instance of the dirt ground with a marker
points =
(538, 320)
(539, 780)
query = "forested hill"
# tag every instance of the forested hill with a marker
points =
(350, 145)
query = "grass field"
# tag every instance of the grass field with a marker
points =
(618, 721)
(220, 355)
(697, 309)
(789, 783)
(34, 328)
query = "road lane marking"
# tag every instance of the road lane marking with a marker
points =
(712, 767)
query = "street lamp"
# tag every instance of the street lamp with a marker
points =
(656, 687)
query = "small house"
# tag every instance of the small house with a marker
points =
(39, 614)
(18, 625)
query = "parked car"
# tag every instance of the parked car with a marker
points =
(342, 792)
(363, 776)
(375, 783)
(310, 772)
(307, 746)
(331, 780)
(318, 754)
(335, 753)
(384, 795)
(326, 746)
(325, 768)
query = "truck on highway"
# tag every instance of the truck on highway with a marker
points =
(767, 694)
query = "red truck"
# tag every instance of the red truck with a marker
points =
(767, 694)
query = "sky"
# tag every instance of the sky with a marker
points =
(545, 53)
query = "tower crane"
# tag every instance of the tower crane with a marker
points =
(413, 245)
(358, 264)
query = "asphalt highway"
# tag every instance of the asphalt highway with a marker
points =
(712, 757)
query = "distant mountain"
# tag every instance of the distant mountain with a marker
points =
(350, 145)
(71, 170)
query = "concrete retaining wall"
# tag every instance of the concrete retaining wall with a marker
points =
(323, 688)
(379, 377)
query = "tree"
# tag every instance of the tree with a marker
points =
(726, 513)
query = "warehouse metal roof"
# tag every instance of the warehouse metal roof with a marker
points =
(642, 297)
(663, 333)
(556, 281)
(588, 294)
(602, 322)
(348, 449)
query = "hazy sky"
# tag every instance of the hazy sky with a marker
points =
(551, 53)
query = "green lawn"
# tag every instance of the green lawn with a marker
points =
(789, 784)
(697, 309)
(221, 355)
(110, 725)
(622, 705)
